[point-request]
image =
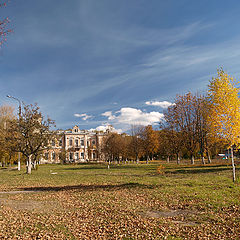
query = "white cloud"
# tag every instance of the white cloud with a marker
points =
(163, 104)
(106, 127)
(84, 116)
(109, 115)
(128, 116)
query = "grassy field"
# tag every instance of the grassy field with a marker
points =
(127, 201)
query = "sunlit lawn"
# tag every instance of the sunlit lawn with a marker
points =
(127, 201)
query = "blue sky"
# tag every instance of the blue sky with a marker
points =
(92, 63)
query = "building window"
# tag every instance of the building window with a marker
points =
(76, 155)
(53, 143)
(46, 156)
(82, 142)
(82, 155)
(93, 142)
(76, 142)
(71, 156)
(75, 130)
(94, 155)
(53, 156)
(70, 142)
(60, 142)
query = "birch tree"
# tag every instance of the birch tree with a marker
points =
(30, 134)
(224, 114)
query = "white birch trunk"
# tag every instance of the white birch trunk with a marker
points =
(29, 165)
(19, 161)
(209, 157)
(233, 166)
(178, 159)
(192, 160)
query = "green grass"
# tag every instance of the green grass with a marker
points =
(89, 201)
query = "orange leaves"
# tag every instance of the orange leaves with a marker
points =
(150, 140)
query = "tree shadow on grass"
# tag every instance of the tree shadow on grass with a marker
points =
(198, 170)
(92, 187)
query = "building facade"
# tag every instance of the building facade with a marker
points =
(74, 146)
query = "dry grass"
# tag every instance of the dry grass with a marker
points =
(125, 202)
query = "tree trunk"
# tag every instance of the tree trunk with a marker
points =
(35, 165)
(147, 159)
(178, 159)
(108, 163)
(168, 159)
(209, 157)
(137, 159)
(192, 160)
(233, 166)
(203, 160)
(29, 165)
(19, 161)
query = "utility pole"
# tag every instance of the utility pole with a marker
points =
(19, 116)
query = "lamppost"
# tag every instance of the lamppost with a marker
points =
(19, 116)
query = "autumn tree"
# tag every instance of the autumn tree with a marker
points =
(126, 152)
(171, 134)
(224, 114)
(170, 142)
(7, 155)
(112, 147)
(30, 133)
(150, 141)
(182, 115)
(136, 143)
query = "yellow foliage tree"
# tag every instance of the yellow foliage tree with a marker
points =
(224, 115)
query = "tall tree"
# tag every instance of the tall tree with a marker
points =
(30, 133)
(201, 108)
(112, 147)
(172, 133)
(7, 155)
(150, 142)
(136, 143)
(224, 115)
(181, 117)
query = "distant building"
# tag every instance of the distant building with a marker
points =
(74, 146)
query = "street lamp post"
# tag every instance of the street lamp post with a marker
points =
(19, 116)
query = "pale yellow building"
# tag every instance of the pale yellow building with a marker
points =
(74, 146)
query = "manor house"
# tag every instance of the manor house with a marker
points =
(74, 146)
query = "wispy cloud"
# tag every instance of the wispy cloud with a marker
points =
(163, 104)
(84, 116)
(109, 115)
